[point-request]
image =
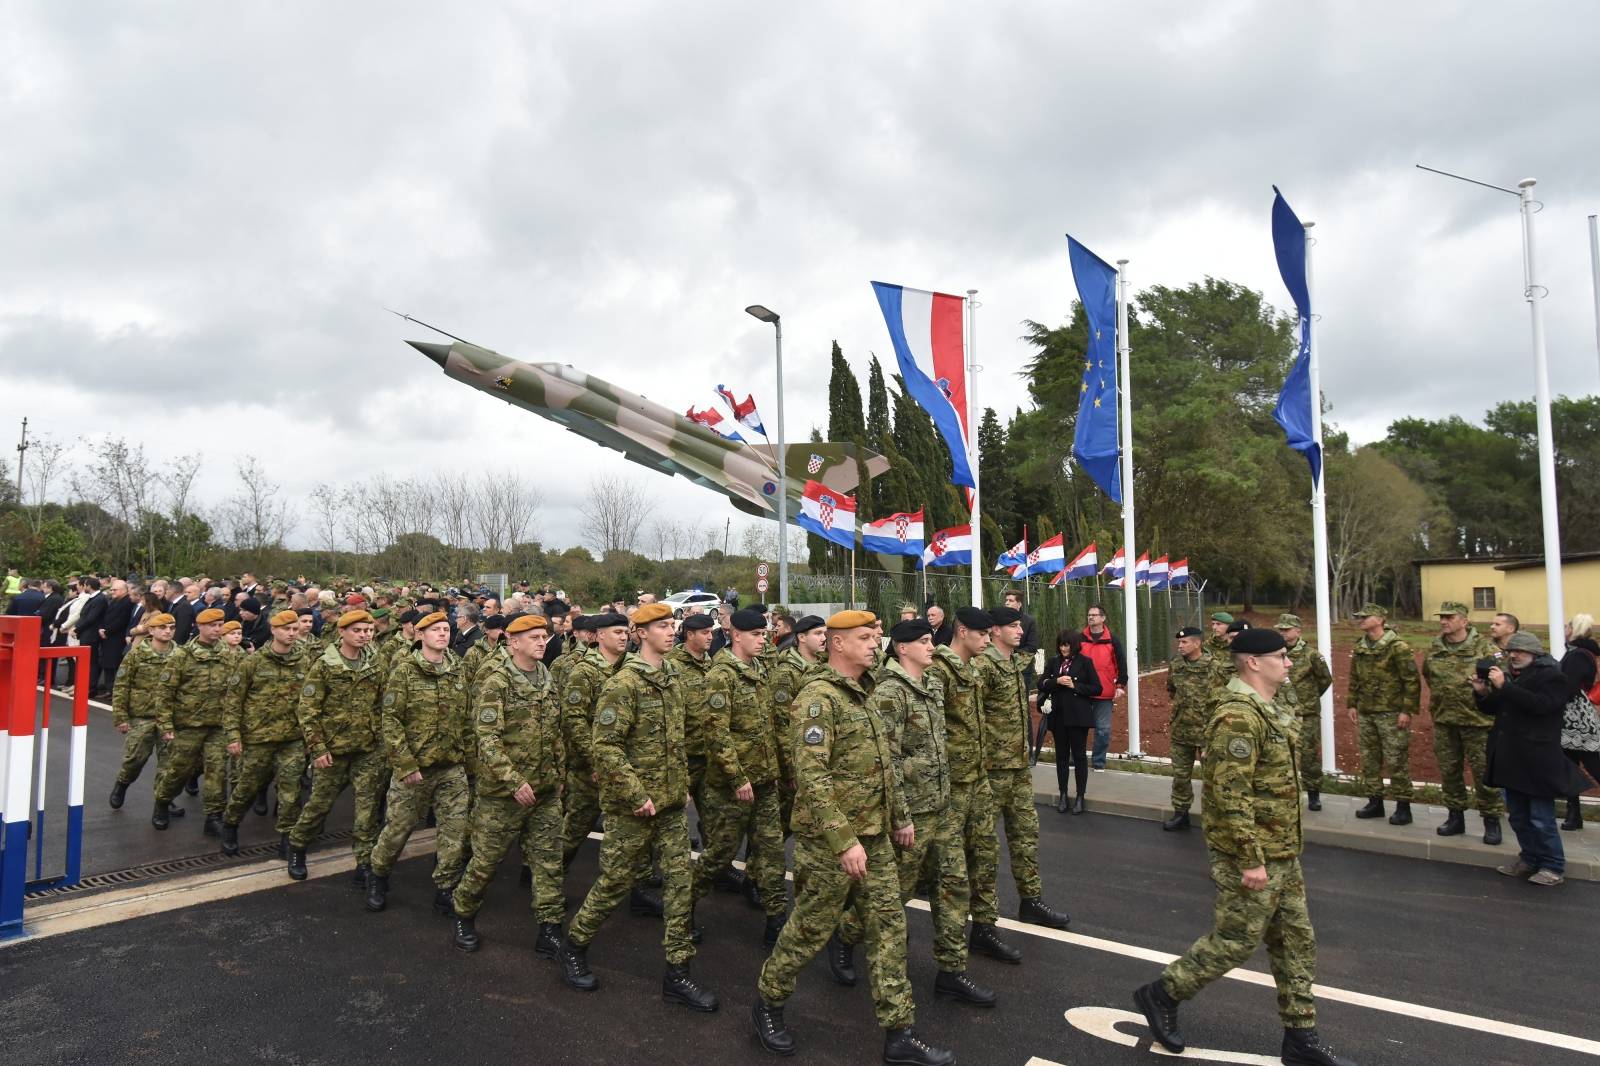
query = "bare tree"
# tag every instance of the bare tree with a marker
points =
(121, 481)
(255, 517)
(613, 514)
(179, 483)
(46, 464)
(664, 539)
(327, 505)
(356, 518)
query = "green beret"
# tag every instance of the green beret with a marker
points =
(1222, 616)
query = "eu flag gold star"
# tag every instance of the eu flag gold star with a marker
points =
(1097, 401)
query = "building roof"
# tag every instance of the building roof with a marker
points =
(1511, 562)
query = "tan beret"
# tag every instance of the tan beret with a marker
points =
(285, 618)
(851, 620)
(430, 620)
(523, 623)
(160, 620)
(650, 612)
(207, 616)
(229, 627)
(350, 618)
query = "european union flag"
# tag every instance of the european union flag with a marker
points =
(1294, 409)
(1094, 441)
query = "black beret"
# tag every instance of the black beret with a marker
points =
(494, 621)
(1004, 616)
(806, 623)
(697, 622)
(556, 607)
(607, 620)
(1188, 631)
(746, 620)
(909, 630)
(583, 623)
(1239, 626)
(974, 617)
(251, 604)
(1258, 642)
(410, 616)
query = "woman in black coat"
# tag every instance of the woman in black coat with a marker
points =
(1580, 727)
(1067, 686)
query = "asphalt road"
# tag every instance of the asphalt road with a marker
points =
(303, 974)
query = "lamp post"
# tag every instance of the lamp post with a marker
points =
(766, 314)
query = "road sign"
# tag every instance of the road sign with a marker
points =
(761, 570)
(761, 584)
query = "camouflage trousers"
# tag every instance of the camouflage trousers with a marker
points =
(1311, 752)
(444, 788)
(1276, 916)
(1184, 757)
(364, 772)
(581, 804)
(937, 845)
(1455, 745)
(724, 822)
(497, 821)
(1384, 745)
(201, 749)
(827, 895)
(978, 842)
(628, 840)
(285, 761)
(143, 737)
(1012, 792)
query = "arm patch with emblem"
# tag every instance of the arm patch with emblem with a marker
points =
(813, 735)
(608, 716)
(1239, 748)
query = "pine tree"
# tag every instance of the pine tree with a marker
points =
(845, 421)
(998, 480)
(878, 438)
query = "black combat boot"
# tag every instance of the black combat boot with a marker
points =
(902, 1047)
(175, 812)
(1373, 809)
(645, 902)
(1179, 820)
(359, 875)
(729, 880)
(466, 934)
(678, 985)
(283, 845)
(193, 787)
(1038, 912)
(1160, 1014)
(260, 805)
(575, 966)
(118, 792)
(959, 986)
(213, 826)
(1313, 800)
(1574, 819)
(444, 901)
(985, 940)
(752, 894)
(1455, 824)
(770, 1030)
(769, 936)
(841, 961)
(1491, 830)
(377, 892)
(1402, 813)
(158, 817)
(1303, 1047)
(230, 839)
(297, 863)
(548, 943)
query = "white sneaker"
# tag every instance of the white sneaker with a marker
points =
(1099, 769)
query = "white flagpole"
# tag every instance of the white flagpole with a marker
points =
(1594, 270)
(976, 518)
(1319, 529)
(1535, 295)
(1130, 592)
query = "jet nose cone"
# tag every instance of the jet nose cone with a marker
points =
(437, 352)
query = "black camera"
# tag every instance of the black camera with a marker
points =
(1484, 666)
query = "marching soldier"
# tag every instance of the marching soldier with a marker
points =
(1384, 693)
(799, 663)
(582, 688)
(262, 730)
(486, 654)
(190, 719)
(1189, 679)
(1460, 727)
(693, 663)
(135, 706)
(1309, 678)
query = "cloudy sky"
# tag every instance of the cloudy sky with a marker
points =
(208, 206)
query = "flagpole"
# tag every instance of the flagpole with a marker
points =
(1319, 525)
(852, 576)
(1130, 592)
(976, 517)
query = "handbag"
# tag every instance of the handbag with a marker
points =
(1580, 725)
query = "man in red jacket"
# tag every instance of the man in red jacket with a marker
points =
(1111, 664)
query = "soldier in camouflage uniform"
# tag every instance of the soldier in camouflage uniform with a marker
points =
(262, 729)
(1253, 835)
(849, 814)
(639, 747)
(1460, 727)
(1004, 714)
(1309, 677)
(487, 654)
(521, 770)
(1217, 641)
(581, 639)
(425, 742)
(190, 719)
(790, 670)
(910, 699)
(1189, 679)
(578, 695)
(338, 711)
(741, 785)
(692, 662)
(1385, 691)
(135, 699)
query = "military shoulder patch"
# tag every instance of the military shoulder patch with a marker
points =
(309, 690)
(1239, 748)
(608, 715)
(814, 710)
(487, 715)
(388, 699)
(166, 675)
(574, 697)
(813, 735)
(718, 700)
(782, 695)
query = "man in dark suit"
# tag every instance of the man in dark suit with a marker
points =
(114, 625)
(87, 627)
(25, 604)
(185, 604)
(49, 607)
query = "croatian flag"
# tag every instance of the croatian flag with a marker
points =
(1084, 564)
(1015, 558)
(949, 547)
(1178, 575)
(828, 513)
(1160, 573)
(931, 353)
(1058, 579)
(1114, 583)
(744, 412)
(899, 534)
(1048, 558)
(1141, 569)
(712, 420)
(1117, 565)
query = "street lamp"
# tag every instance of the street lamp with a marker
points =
(766, 314)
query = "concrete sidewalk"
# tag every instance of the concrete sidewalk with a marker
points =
(1148, 797)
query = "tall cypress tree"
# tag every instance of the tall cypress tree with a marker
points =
(998, 478)
(845, 421)
(878, 438)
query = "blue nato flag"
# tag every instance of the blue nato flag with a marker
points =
(1294, 409)
(1094, 441)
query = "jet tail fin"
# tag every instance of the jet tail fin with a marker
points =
(833, 464)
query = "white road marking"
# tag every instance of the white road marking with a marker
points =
(1102, 1022)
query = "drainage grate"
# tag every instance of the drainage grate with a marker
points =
(156, 870)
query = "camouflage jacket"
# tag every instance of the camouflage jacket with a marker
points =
(137, 692)
(1190, 686)
(339, 703)
(639, 739)
(1252, 779)
(963, 731)
(425, 713)
(912, 711)
(1003, 709)
(262, 697)
(579, 692)
(845, 787)
(1383, 676)
(517, 718)
(1309, 678)
(1449, 670)
(192, 686)
(739, 717)
(571, 651)
(1222, 672)
(693, 686)
(788, 675)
